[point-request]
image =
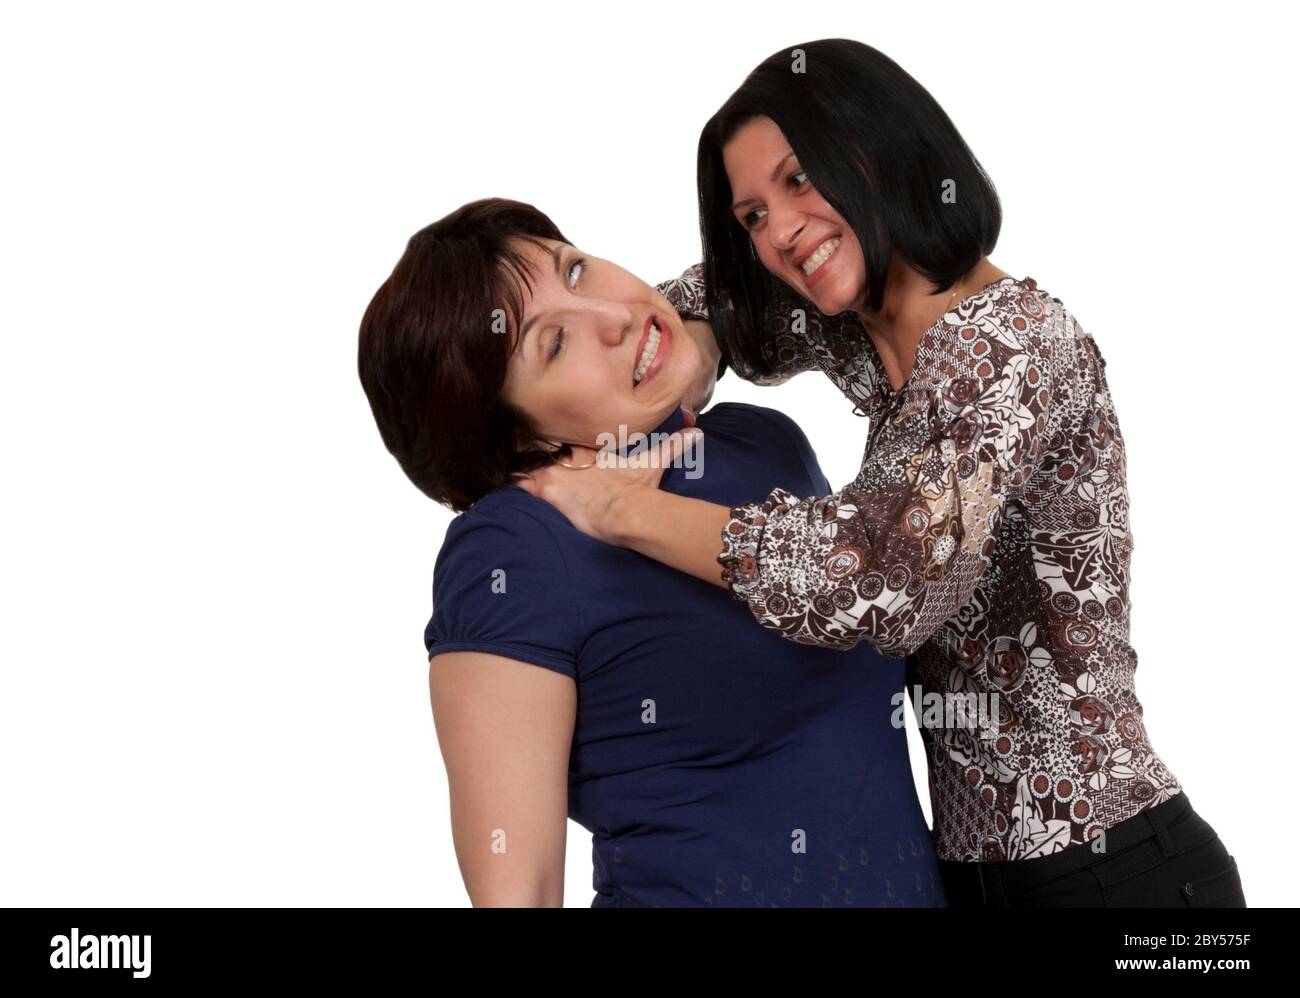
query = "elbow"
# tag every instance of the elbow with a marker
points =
(891, 637)
(541, 889)
(900, 638)
(892, 646)
(539, 898)
(903, 647)
(810, 617)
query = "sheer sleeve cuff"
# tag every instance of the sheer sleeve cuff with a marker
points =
(741, 537)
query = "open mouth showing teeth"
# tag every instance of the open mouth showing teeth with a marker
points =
(647, 355)
(822, 254)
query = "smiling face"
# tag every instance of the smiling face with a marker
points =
(597, 348)
(797, 235)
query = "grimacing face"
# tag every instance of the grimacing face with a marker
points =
(796, 234)
(598, 348)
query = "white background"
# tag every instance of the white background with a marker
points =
(215, 578)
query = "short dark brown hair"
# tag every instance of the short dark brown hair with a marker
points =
(434, 346)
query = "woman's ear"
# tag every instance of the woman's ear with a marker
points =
(526, 436)
(525, 441)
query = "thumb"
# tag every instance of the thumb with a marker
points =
(681, 442)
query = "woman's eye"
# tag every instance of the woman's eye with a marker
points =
(794, 178)
(574, 271)
(752, 218)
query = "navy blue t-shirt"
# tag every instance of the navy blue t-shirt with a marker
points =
(714, 762)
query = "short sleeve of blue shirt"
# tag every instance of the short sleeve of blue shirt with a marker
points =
(500, 586)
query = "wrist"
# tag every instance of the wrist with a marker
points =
(625, 516)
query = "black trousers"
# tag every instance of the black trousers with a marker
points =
(1167, 856)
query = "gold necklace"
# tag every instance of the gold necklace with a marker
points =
(951, 299)
(555, 458)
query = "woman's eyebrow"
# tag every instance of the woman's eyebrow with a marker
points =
(772, 179)
(780, 166)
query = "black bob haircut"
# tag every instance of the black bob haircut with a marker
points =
(877, 147)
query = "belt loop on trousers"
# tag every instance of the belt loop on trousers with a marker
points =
(1163, 838)
(995, 889)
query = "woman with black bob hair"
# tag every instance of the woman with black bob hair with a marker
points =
(986, 536)
(883, 152)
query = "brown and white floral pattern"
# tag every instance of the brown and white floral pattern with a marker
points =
(986, 537)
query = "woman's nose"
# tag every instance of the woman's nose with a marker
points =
(784, 229)
(613, 320)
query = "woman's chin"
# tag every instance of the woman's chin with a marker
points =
(830, 301)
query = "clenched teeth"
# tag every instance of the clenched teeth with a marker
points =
(822, 254)
(648, 354)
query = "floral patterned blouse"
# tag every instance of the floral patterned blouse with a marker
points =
(986, 538)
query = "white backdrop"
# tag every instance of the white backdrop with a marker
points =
(215, 579)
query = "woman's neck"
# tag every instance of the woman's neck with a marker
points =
(910, 308)
(701, 388)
